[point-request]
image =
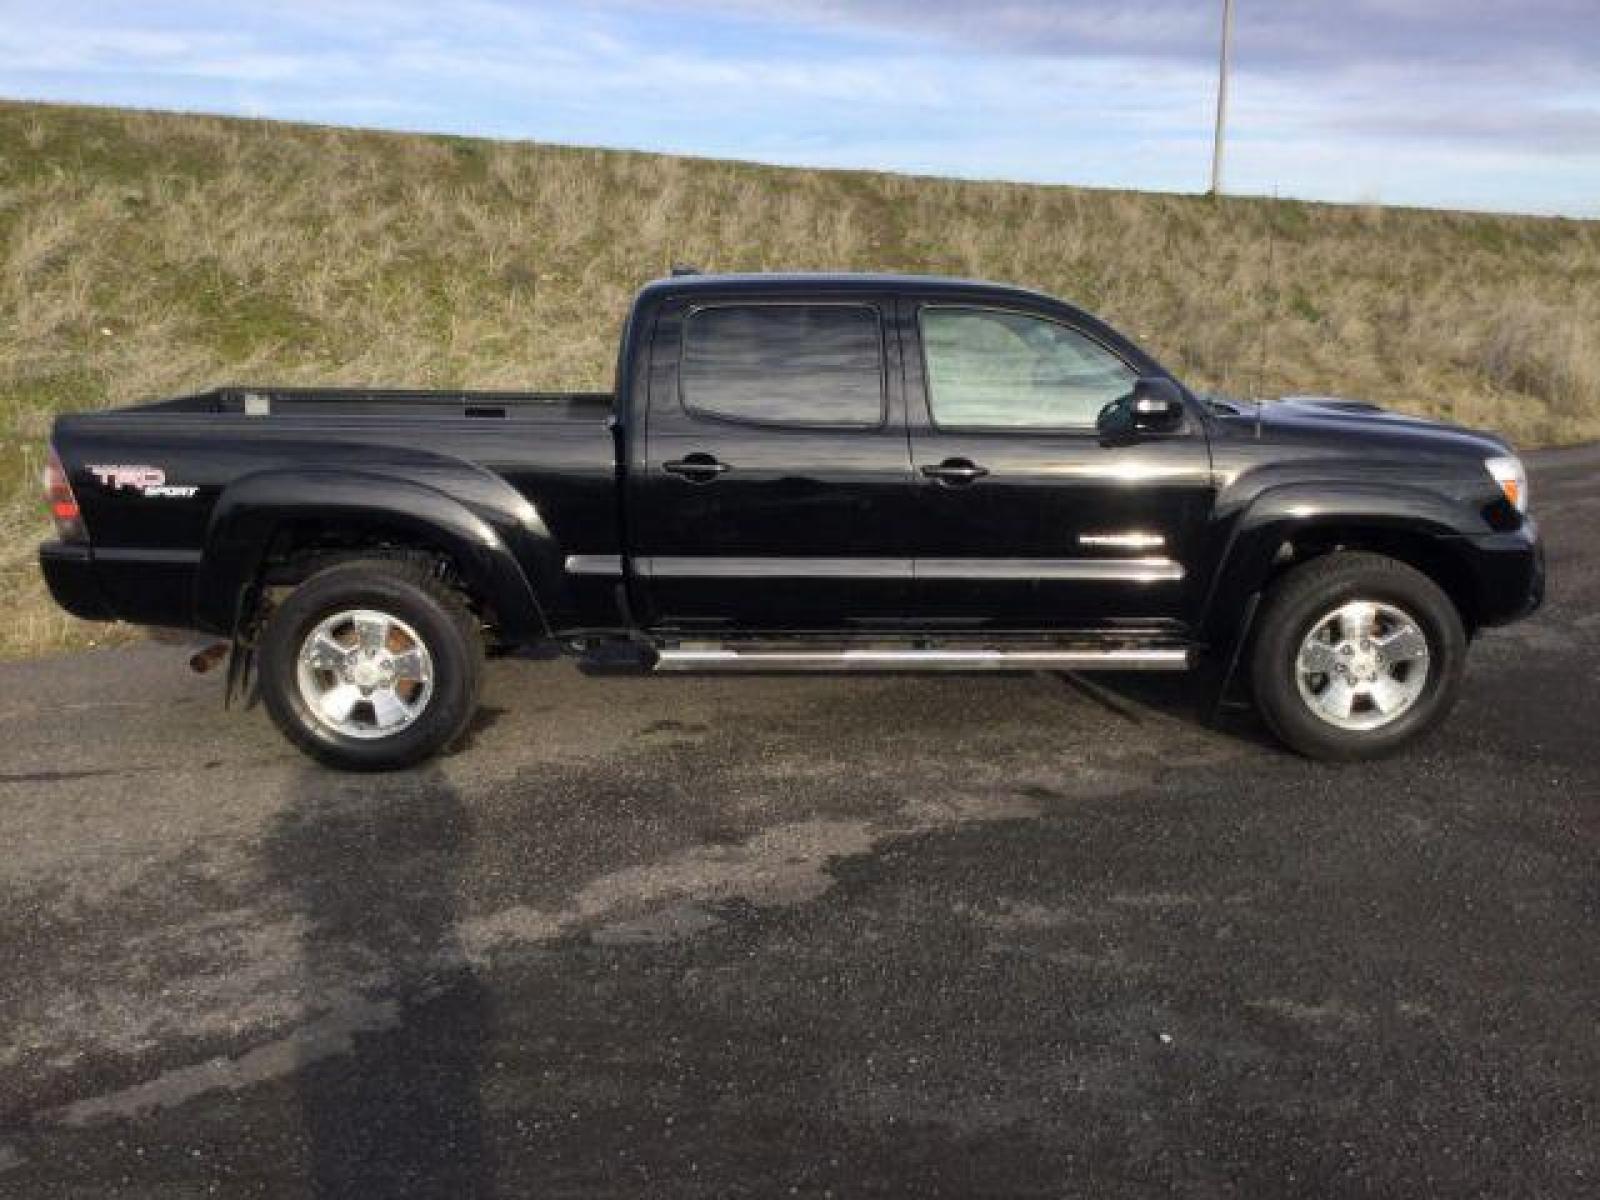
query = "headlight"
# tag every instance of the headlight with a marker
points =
(1512, 477)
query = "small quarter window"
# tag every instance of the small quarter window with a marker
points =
(785, 364)
(1002, 370)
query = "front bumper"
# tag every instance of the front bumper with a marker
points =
(68, 569)
(1509, 569)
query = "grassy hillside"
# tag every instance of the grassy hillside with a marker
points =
(144, 254)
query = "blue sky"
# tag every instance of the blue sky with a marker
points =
(1490, 104)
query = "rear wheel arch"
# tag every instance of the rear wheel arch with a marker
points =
(300, 549)
(277, 529)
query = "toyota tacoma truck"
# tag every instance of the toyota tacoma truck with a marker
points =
(804, 473)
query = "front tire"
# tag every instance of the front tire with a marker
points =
(1355, 655)
(371, 665)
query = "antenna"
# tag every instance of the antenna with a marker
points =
(1272, 306)
(1222, 97)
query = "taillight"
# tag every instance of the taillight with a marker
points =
(63, 504)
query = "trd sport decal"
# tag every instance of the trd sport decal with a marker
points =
(147, 481)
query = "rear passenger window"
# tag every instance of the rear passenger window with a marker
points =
(785, 364)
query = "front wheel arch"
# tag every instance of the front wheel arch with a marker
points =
(1429, 554)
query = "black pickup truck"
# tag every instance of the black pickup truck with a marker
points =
(804, 473)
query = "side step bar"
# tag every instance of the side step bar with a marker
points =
(724, 659)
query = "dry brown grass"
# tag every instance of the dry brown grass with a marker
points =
(145, 254)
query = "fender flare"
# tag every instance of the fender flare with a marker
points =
(1280, 514)
(251, 511)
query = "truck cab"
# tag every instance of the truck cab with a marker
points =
(876, 453)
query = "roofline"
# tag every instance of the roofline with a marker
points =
(974, 291)
(840, 281)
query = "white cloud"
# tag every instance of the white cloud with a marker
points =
(1111, 94)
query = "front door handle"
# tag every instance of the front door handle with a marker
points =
(954, 472)
(696, 468)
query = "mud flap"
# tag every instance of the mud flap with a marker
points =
(1220, 697)
(241, 653)
(241, 658)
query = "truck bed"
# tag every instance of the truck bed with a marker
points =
(542, 464)
(378, 402)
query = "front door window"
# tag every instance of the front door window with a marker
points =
(1004, 370)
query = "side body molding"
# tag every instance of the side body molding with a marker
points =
(251, 512)
(1248, 538)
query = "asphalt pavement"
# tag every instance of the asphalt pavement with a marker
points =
(700, 937)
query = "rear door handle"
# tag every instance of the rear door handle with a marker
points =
(955, 471)
(697, 468)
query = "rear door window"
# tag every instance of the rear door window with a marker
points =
(785, 364)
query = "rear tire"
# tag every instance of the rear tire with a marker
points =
(371, 665)
(1355, 655)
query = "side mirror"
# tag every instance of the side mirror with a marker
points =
(1155, 405)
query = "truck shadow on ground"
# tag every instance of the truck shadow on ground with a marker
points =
(374, 867)
(1188, 699)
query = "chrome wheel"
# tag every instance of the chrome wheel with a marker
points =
(1363, 665)
(364, 674)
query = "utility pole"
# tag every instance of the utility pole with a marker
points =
(1222, 97)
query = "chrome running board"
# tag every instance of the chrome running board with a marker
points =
(727, 659)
